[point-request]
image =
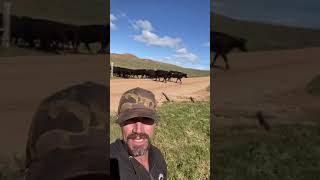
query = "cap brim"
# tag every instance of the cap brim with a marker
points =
(66, 164)
(137, 112)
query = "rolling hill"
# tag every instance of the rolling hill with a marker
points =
(71, 11)
(263, 36)
(133, 62)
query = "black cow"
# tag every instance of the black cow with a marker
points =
(162, 74)
(222, 44)
(94, 33)
(150, 73)
(178, 75)
(45, 34)
(22, 31)
(137, 72)
(58, 36)
(116, 71)
(122, 72)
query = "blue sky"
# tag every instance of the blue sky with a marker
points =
(171, 31)
(301, 13)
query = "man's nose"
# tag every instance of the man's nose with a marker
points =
(138, 128)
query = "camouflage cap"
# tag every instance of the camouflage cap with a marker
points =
(68, 134)
(137, 102)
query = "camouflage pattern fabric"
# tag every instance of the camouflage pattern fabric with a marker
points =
(69, 134)
(137, 102)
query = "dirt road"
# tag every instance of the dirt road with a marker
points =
(190, 87)
(25, 81)
(273, 82)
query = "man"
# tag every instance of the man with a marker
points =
(68, 135)
(136, 157)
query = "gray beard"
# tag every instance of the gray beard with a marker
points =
(138, 151)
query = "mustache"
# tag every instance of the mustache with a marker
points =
(140, 135)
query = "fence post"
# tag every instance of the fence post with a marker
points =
(111, 69)
(6, 24)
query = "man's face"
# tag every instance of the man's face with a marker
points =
(136, 133)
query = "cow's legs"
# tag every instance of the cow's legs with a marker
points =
(88, 47)
(102, 51)
(226, 61)
(75, 45)
(215, 58)
(103, 48)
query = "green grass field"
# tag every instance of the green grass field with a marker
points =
(287, 152)
(136, 63)
(183, 136)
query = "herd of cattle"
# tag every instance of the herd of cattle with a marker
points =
(148, 73)
(56, 36)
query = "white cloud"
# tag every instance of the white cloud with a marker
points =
(148, 37)
(182, 51)
(113, 18)
(207, 44)
(183, 54)
(151, 38)
(123, 15)
(144, 25)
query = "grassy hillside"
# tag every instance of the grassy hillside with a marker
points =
(71, 11)
(133, 62)
(266, 36)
